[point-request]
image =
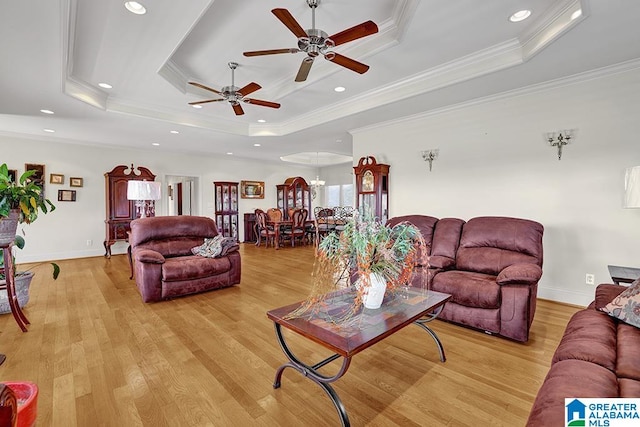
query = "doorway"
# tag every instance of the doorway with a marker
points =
(181, 195)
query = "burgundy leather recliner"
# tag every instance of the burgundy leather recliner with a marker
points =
(164, 265)
(490, 265)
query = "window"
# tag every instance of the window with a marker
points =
(339, 195)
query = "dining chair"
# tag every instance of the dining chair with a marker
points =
(274, 214)
(297, 229)
(323, 223)
(264, 230)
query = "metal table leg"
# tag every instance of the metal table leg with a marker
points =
(429, 318)
(312, 373)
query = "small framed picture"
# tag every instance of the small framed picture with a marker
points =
(55, 178)
(75, 182)
(252, 189)
(13, 175)
(39, 175)
(66, 195)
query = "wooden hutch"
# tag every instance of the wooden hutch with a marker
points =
(226, 195)
(120, 210)
(293, 194)
(372, 188)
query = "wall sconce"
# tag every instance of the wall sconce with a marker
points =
(559, 140)
(632, 187)
(145, 193)
(430, 156)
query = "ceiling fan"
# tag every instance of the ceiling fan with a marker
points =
(234, 94)
(316, 42)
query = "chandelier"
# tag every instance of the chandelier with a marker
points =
(316, 183)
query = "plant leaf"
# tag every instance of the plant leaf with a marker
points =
(56, 270)
(19, 241)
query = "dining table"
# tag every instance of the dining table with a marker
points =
(279, 225)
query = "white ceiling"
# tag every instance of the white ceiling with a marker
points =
(428, 54)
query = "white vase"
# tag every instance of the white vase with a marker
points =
(374, 293)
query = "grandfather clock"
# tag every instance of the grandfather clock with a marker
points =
(372, 188)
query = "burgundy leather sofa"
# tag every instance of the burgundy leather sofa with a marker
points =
(164, 265)
(490, 265)
(596, 358)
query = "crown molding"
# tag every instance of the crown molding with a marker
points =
(495, 58)
(595, 74)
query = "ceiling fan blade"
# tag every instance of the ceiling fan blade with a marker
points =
(204, 102)
(305, 67)
(354, 33)
(250, 88)
(262, 103)
(287, 19)
(270, 52)
(349, 63)
(238, 109)
(201, 86)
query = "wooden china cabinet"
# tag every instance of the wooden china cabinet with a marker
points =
(372, 188)
(226, 194)
(120, 210)
(293, 194)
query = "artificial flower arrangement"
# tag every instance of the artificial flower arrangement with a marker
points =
(365, 247)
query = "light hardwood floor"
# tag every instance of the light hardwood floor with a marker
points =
(102, 357)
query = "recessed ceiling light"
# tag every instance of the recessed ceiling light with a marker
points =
(339, 89)
(46, 111)
(229, 153)
(105, 85)
(338, 140)
(576, 14)
(256, 145)
(49, 130)
(262, 121)
(520, 15)
(155, 143)
(135, 7)
(197, 106)
(174, 131)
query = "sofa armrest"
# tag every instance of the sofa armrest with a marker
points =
(523, 274)
(149, 256)
(441, 262)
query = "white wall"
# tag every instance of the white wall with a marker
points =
(64, 233)
(494, 161)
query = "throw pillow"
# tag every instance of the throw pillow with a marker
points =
(215, 247)
(211, 247)
(626, 306)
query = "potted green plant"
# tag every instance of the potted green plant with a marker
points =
(377, 258)
(20, 202)
(22, 279)
(23, 197)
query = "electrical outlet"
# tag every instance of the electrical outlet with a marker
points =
(89, 242)
(590, 279)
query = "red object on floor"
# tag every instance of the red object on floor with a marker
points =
(27, 397)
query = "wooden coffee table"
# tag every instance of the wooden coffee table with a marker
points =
(359, 332)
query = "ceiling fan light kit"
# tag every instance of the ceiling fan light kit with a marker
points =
(315, 42)
(234, 95)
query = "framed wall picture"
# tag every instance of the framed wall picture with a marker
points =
(75, 182)
(66, 195)
(252, 189)
(55, 178)
(13, 175)
(39, 175)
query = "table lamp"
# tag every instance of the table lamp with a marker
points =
(145, 193)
